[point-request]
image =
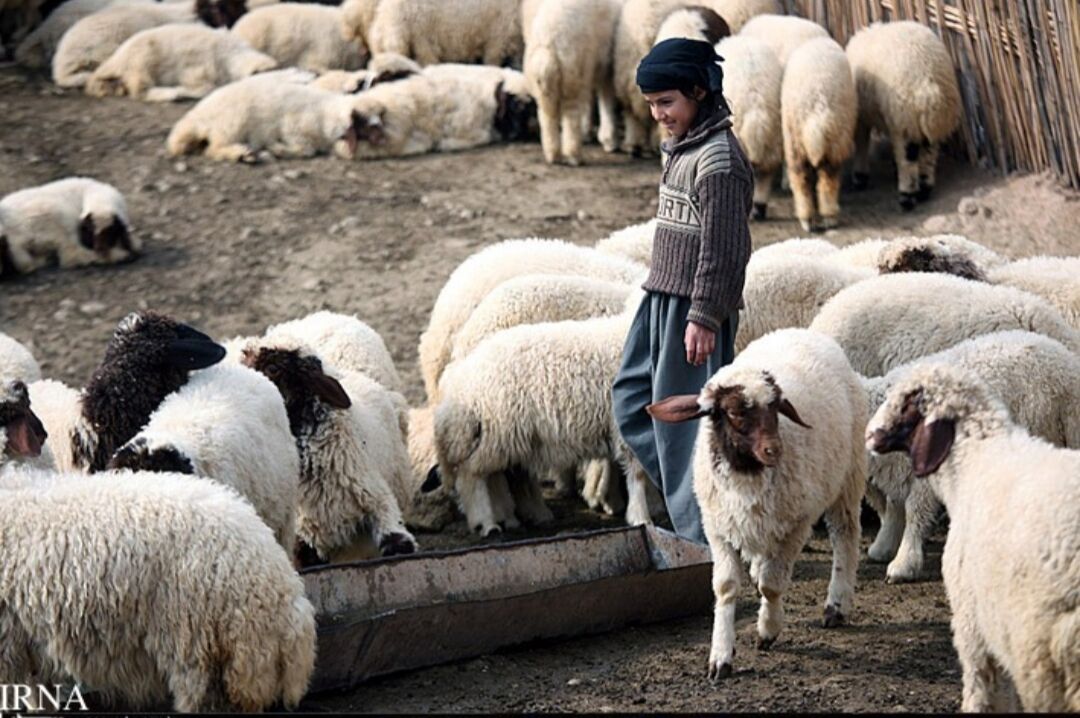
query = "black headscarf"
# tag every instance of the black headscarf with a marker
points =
(680, 64)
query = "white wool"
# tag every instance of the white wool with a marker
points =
(303, 35)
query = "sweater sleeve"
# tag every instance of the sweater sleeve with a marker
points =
(724, 249)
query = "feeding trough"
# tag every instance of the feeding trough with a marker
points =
(378, 617)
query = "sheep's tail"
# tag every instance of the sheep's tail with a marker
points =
(815, 137)
(544, 71)
(457, 431)
(297, 652)
(755, 137)
(185, 138)
(937, 110)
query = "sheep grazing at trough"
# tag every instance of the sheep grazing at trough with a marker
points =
(70, 222)
(37, 49)
(784, 34)
(434, 509)
(434, 31)
(819, 110)
(148, 357)
(22, 435)
(762, 483)
(1036, 377)
(885, 321)
(907, 90)
(752, 80)
(91, 40)
(478, 275)
(354, 467)
(228, 424)
(150, 586)
(176, 62)
(634, 242)
(568, 62)
(301, 35)
(16, 361)
(1010, 564)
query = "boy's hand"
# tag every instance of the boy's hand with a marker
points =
(700, 343)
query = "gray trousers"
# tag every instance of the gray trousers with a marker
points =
(654, 367)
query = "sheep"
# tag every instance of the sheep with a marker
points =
(144, 586)
(907, 90)
(1039, 381)
(567, 62)
(762, 486)
(148, 357)
(281, 115)
(946, 253)
(176, 62)
(818, 107)
(227, 423)
(444, 108)
(797, 247)
(432, 31)
(634, 242)
(302, 35)
(529, 401)
(385, 67)
(22, 435)
(696, 22)
(752, 81)
(73, 222)
(16, 361)
(91, 40)
(784, 34)
(1055, 279)
(480, 273)
(354, 467)
(1009, 564)
(37, 49)
(885, 321)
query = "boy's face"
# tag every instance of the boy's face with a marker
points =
(673, 110)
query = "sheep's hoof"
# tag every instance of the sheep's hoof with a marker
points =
(897, 577)
(860, 181)
(397, 544)
(907, 201)
(925, 190)
(764, 643)
(833, 617)
(759, 211)
(719, 672)
(807, 225)
(492, 532)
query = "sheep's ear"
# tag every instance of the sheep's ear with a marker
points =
(930, 445)
(502, 103)
(785, 408)
(674, 409)
(86, 232)
(433, 480)
(25, 435)
(191, 354)
(328, 389)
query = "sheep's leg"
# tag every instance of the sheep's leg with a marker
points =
(232, 153)
(906, 153)
(478, 504)
(571, 131)
(799, 173)
(503, 501)
(828, 194)
(601, 489)
(635, 137)
(763, 180)
(548, 114)
(529, 502)
(566, 482)
(387, 521)
(609, 117)
(888, 536)
(928, 157)
(921, 509)
(637, 502)
(981, 675)
(860, 176)
(843, 521)
(726, 581)
(774, 575)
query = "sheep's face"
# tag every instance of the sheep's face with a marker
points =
(138, 455)
(714, 27)
(904, 428)
(306, 389)
(160, 343)
(515, 115)
(364, 129)
(109, 238)
(21, 432)
(932, 256)
(220, 13)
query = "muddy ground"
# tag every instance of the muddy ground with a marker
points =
(232, 249)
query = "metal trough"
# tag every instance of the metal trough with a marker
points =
(378, 617)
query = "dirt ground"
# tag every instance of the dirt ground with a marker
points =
(232, 249)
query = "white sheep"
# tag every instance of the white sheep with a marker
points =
(819, 110)
(73, 222)
(303, 35)
(474, 278)
(634, 242)
(37, 49)
(385, 67)
(16, 361)
(1010, 562)
(885, 321)
(175, 62)
(144, 586)
(1055, 279)
(752, 80)
(948, 253)
(784, 34)
(91, 40)
(762, 484)
(907, 90)
(695, 22)
(227, 423)
(433, 31)
(1036, 377)
(567, 62)
(797, 246)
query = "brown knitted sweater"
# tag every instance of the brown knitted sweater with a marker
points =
(702, 241)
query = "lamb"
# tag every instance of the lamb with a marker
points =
(444, 108)
(752, 80)
(149, 585)
(1052, 278)
(301, 35)
(91, 40)
(1039, 381)
(148, 358)
(176, 62)
(634, 242)
(22, 435)
(568, 61)
(354, 467)
(907, 89)
(1010, 563)
(267, 112)
(227, 423)
(432, 31)
(885, 321)
(761, 486)
(784, 34)
(73, 222)
(16, 361)
(480, 273)
(37, 49)
(818, 115)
